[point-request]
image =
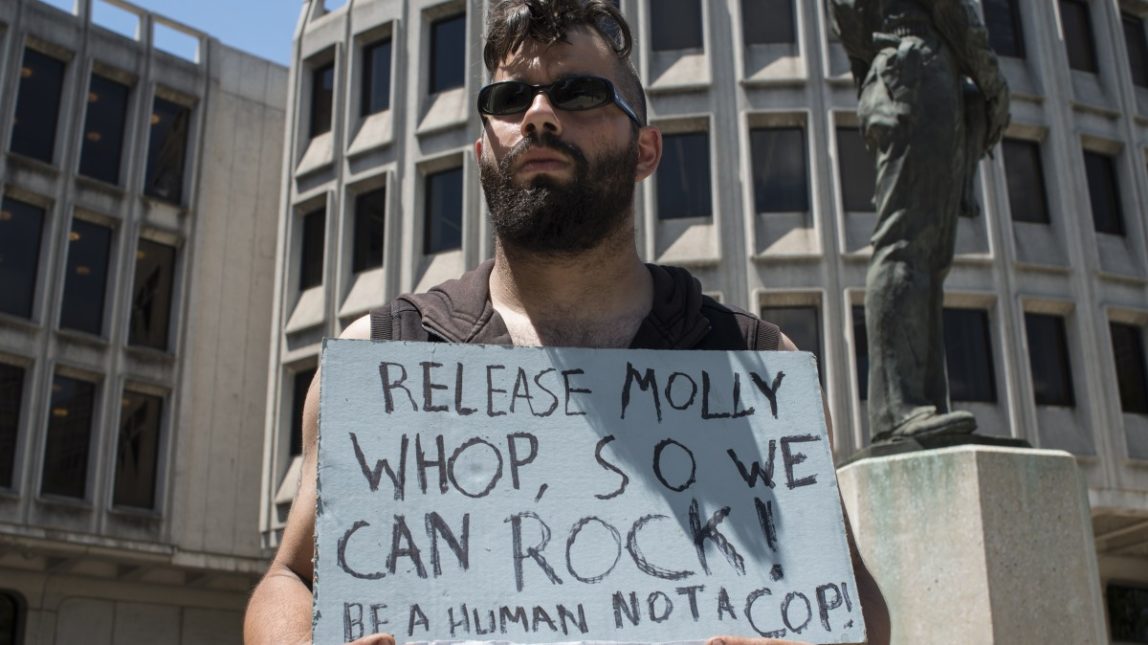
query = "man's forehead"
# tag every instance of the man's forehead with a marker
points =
(582, 52)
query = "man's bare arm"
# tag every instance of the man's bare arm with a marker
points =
(279, 611)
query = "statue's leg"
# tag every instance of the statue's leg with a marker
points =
(913, 119)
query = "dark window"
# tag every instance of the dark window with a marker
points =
(443, 228)
(1127, 613)
(780, 182)
(969, 355)
(322, 98)
(167, 150)
(370, 217)
(104, 129)
(151, 299)
(11, 395)
(11, 619)
(801, 325)
(85, 283)
(314, 240)
(376, 78)
(676, 24)
(1104, 193)
(1077, 23)
(138, 452)
(37, 106)
(861, 352)
(301, 382)
(20, 229)
(684, 176)
(767, 22)
(448, 53)
(1002, 18)
(857, 170)
(1048, 359)
(69, 438)
(1137, 43)
(1131, 376)
(1024, 172)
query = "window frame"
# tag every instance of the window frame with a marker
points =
(660, 198)
(366, 78)
(110, 274)
(1066, 380)
(745, 15)
(1115, 223)
(173, 289)
(428, 175)
(356, 244)
(435, 85)
(314, 70)
(42, 239)
(1139, 406)
(98, 384)
(761, 192)
(1090, 64)
(682, 15)
(850, 131)
(161, 438)
(54, 142)
(186, 160)
(985, 330)
(125, 123)
(1016, 22)
(1030, 146)
(305, 281)
(23, 403)
(1137, 72)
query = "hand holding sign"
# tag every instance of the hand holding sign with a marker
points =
(550, 495)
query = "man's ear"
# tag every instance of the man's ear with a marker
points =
(649, 152)
(478, 149)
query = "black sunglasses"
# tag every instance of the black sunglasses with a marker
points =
(570, 94)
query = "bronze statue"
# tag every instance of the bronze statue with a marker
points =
(932, 103)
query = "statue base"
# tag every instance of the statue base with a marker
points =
(935, 442)
(978, 544)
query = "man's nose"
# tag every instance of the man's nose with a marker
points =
(541, 117)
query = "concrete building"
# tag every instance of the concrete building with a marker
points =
(137, 247)
(764, 192)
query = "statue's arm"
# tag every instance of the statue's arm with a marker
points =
(960, 25)
(962, 28)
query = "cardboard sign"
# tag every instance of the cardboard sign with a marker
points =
(542, 495)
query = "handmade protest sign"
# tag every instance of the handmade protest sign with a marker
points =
(552, 495)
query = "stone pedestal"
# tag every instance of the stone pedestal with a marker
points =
(976, 544)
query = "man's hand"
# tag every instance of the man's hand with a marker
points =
(744, 640)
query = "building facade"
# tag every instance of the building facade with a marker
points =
(137, 246)
(764, 192)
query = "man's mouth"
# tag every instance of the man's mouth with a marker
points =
(536, 161)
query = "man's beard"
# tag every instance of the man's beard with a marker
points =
(547, 215)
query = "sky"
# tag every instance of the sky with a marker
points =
(261, 27)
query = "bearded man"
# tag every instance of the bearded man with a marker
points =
(564, 143)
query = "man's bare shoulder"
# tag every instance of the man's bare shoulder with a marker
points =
(358, 330)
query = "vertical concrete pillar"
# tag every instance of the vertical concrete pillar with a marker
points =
(976, 544)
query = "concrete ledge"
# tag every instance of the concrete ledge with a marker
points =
(978, 544)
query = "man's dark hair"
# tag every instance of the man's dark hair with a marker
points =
(513, 22)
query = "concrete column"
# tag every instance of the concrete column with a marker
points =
(977, 544)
